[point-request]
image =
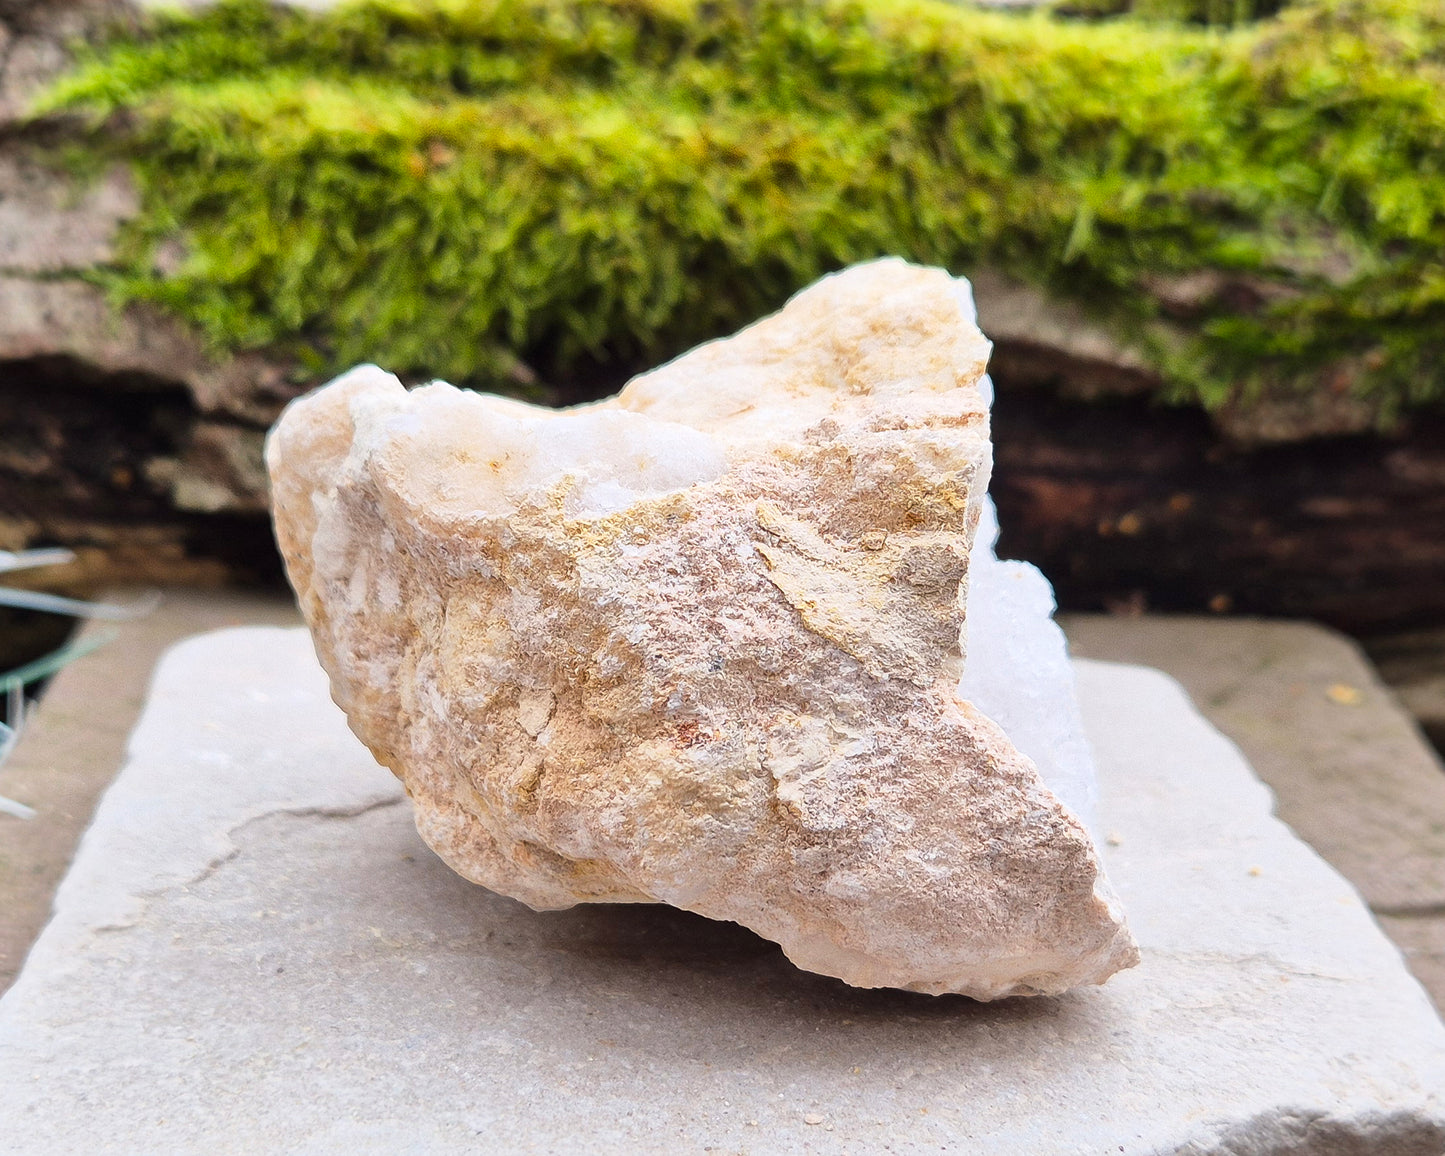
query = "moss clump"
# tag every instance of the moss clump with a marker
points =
(1225, 13)
(457, 187)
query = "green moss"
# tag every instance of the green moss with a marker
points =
(1222, 13)
(452, 187)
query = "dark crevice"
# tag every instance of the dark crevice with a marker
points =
(83, 456)
(77, 444)
(25, 636)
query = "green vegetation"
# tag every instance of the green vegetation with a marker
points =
(1225, 13)
(464, 187)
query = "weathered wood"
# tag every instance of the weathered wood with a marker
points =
(1127, 505)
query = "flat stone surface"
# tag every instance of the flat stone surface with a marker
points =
(75, 744)
(254, 952)
(1353, 775)
(1352, 772)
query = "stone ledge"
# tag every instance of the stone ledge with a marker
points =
(253, 952)
(1353, 774)
(76, 742)
(1349, 767)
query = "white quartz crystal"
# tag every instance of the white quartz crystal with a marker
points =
(735, 640)
(1017, 669)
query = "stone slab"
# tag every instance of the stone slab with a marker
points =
(254, 952)
(1421, 937)
(1352, 772)
(75, 744)
(1413, 663)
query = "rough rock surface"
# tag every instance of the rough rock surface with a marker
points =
(700, 645)
(35, 41)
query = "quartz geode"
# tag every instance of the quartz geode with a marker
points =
(699, 644)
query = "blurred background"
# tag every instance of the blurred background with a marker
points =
(1206, 236)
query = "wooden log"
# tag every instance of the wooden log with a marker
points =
(1127, 505)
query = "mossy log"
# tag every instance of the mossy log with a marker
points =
(1211, 260)
(531, 193)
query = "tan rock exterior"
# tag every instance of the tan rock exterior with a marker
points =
(736, 696)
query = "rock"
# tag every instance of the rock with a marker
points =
(74, 745)
(1320, 727)
(700, 645)
(223, 470)
(70, 320)
(1421, 939)
(36, 38)
(32, 62)
(1287, 413)
(1040, 339)
(90, 464)
(119, 429)
(56, 231)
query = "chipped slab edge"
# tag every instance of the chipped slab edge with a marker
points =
(1206, 814)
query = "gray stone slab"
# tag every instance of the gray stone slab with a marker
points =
(1353, 774)
(75, 744)
(254, 953)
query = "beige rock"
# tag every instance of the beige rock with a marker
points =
(700, 644)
